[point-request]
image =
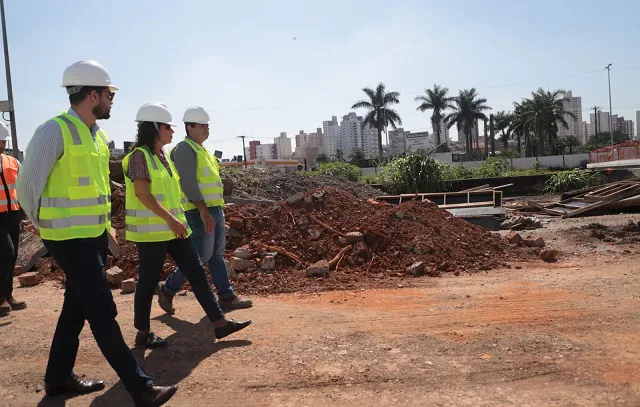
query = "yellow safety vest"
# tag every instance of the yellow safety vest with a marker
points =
(76, 202)
(142, 225)
(208, 177)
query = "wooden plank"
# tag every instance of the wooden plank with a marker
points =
(607, 191)
(486, 186)
(468, 205)
(502, 186)
(631, 190)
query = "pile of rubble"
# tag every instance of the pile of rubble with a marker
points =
(328, 239)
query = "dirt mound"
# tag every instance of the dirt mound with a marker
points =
(364, 244)
(276, 186)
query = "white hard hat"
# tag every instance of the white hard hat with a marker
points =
(86, 73)
(4, 132)
(196, 114)
(155, 113)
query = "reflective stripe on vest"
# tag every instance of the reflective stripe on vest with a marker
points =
(9, 197)
(142, 225)
(76, 201)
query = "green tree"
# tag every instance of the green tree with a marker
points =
(435, 99)
(380, 115)
(357, 156)
(503, 122)
(322, 158)
(604, 139)
(571, 142)
(544, 112)
(468, 108)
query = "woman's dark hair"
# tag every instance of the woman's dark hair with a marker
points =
(147, 136)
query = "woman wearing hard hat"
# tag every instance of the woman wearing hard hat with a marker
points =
(156, 222)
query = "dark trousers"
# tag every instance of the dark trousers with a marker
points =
(9, 237)
(88, 297)
(151, 256)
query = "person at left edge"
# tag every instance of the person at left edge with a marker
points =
(64, 190)
(9, 225)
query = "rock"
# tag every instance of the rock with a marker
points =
(30, 279)
(38, 388)
(116, 172)
(294, 199)
(342, 240)
(308, 201)
(444, 266)
(227, 186)
(45, 271)
(115, 276)
(354, 237)
(128, 286)
(243, 252)
(18, 271)
(30, 249)
(315, 233)
(235, 233)
(268, 263)
(236, 223)
(548, 255)
(114, 247)
(400, 215)
(239, 264)
(361, 250)
(318, 196)
(539, 242)
(416, 269)
(230, 271)
(518, 267)
(299, 266)
(514, 237)
(318, 269)
(416, 250)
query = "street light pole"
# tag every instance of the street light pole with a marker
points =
(608, 68)
(244, 152)
(12, 115)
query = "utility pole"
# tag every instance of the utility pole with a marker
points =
(608, 68)
(244, 151)
(8, 107)
(595, 130)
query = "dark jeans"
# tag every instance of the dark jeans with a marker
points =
(9, 236)
(88, 297)
(151, 256)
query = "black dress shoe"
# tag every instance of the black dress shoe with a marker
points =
(231, 327)
(150, 340)
(154, 396)
(15, 304)
(74, 384)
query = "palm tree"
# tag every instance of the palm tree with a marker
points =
(545, 111)
(435, 99)
(380, 115)
(570, 142)
(467, 110)
(503, 123)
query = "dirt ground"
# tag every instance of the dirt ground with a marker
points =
(538, 334)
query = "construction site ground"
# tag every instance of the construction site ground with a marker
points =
(537, 334)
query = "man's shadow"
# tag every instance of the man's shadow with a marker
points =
(187, 347)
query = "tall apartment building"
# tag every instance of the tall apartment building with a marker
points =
(266, 152)
(350, 133)
(332, 140)
(253, 145)
(603, 123)
(283, 146)
(397, 141)
(624, 126)
(328, 123)
(573, 104)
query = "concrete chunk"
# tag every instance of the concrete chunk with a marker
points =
(115, 276)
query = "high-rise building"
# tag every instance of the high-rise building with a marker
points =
(315, 139)
(475, 133)
(253, 145)
(585, 130)
(603, 122)
(328, 123)
(266, 152)
(397, 142)
(350, 133)
(370, 141)
(624, 126)
(572, 104)
(332, 140)
(638, 124)
(301, 139)
(444, 133)
(283, 146)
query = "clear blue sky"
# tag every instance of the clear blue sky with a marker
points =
(239, 59)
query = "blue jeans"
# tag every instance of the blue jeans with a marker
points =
(210, 247)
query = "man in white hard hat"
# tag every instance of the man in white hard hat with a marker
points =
(9, 225)
(64, 189)
(202, 191)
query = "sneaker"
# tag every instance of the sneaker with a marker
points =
(235, 302)
(165, 300)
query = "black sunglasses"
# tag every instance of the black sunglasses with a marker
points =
(111, 94)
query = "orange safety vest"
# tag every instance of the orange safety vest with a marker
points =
(9, 199)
